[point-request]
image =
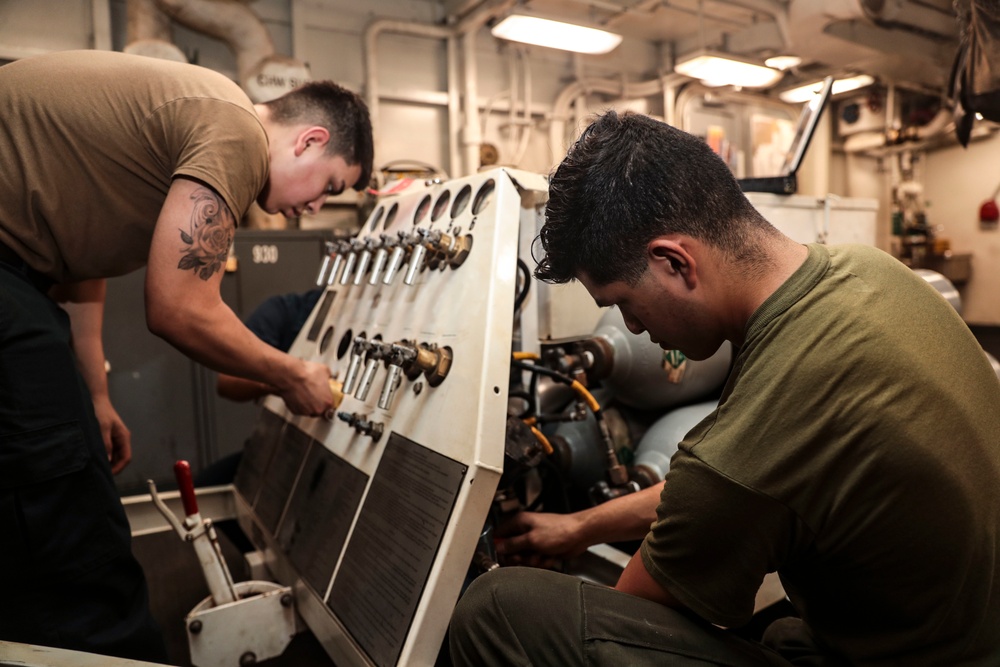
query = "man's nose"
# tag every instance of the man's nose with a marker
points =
(315, 205)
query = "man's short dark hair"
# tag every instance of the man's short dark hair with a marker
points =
(629, 179)
(340, 111)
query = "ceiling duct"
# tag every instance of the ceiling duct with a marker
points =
(148, 32)
(260, 71)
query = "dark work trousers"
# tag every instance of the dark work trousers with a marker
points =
(67, 575)
(525, 616)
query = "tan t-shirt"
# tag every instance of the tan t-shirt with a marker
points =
(90, 142)
(855, 451)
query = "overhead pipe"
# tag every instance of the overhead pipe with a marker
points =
(468, 29)
(144, 20)
(468, 25)
(260, 71)
(230, 21)
(561, 107)
(370, 40)
(148, 32)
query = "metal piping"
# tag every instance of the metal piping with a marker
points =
(370, 41)
(230, 21)
(466, 27)
(560, 109)
(144, 20)
(148, 32)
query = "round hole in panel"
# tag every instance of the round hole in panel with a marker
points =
(391, 215)
(422, 208)
(376, 218)
(441, 205)
(461, 201)
(345, 343)
(484, 196)
(324, 342)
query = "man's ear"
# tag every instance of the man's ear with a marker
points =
(672, 257)
(316, 136)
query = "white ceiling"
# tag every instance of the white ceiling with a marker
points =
(907, 42)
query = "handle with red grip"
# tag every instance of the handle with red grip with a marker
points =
(182, 471)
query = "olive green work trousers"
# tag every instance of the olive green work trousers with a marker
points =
(525, 616)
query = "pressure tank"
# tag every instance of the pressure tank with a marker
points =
(640, 376)
(660, 442)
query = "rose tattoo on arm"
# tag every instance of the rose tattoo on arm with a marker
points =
(211, 233)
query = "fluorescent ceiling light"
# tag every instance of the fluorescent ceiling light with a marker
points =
(783, 62)
(555, 34)
(716, 69)
(805, 93)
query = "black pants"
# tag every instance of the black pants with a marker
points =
(67, 575)
(523, 616)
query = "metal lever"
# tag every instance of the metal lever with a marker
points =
(391, 385)
(200, 533)
(363, 259)
(345, 277)
(380, 256)
(326, 264)
(338, 259)
(357, 358)
(375, 353)
(397, 358)
(396, 260)
(417, 256)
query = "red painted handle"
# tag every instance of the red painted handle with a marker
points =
(182, 470)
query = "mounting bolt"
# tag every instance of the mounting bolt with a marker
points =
(286, 600)
(248, 659)
(195, 627)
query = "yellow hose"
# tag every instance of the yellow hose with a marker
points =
(546, 445)
(587, 396)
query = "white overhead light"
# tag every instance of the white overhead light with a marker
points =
(783, 62)
(555, 34)
(716, 69)
(805, 93)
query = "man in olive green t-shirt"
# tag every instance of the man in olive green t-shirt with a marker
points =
(110, 162)
(855, 450)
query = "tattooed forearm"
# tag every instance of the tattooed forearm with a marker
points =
(207, 241)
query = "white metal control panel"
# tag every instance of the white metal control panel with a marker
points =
(373, 514)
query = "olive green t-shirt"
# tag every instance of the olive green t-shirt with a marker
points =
(855, 451)
(90, 142)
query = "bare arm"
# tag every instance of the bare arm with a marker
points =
(184, 306)
(84, 302)
(636, 580)
(562, 536)
(241, 390)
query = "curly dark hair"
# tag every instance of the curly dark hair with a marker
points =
(340, 111)
(628, 179)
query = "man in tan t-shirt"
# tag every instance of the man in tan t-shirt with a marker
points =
(109, 162)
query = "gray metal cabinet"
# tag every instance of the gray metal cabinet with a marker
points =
(168, 401)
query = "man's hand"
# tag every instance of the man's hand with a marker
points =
(543, 539)
(84, 303)
(309, 393)
(117, 437)
(540, 539)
